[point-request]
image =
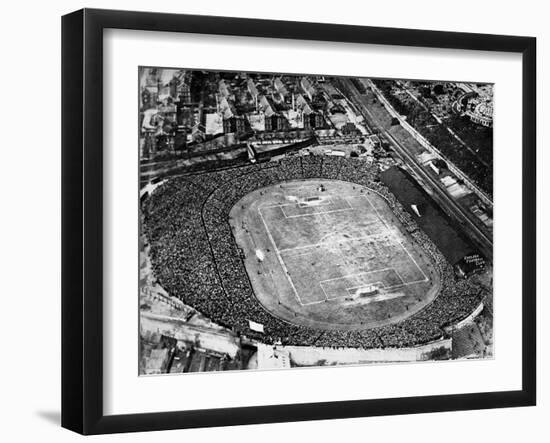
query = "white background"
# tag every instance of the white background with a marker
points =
(30, 79)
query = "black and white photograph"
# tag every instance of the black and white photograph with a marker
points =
(253, 222)
(290, 220)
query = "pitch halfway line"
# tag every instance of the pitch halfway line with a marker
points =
(328, 243)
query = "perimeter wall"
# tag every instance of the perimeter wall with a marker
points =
(315, 356)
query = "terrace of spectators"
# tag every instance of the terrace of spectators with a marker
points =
(196, 259)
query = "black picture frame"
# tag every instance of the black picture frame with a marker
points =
(82, 219)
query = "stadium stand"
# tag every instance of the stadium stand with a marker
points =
(196, 258)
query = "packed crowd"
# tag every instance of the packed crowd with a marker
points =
(195, 256)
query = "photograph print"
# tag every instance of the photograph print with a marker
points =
(292, 220)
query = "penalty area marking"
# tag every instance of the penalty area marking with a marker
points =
(315, 201)
(377, 283)
(328, 200)
(391, 231)
(281, 261)
(316, 213)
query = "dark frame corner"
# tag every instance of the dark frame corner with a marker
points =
(82, 132)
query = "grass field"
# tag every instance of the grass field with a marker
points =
(331, 255)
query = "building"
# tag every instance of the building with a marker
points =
(225, 108)
(307, 87)
(264, 106)
(173, 86)
(256, 121)
(313, 120)
(300, 104)
(165, 142)
(146, 99)
(223, 89)
(252, 89)
(276, 122)
(168, 112)
(482, 115)
(469, 265)
(149, 144)
(184, 93)
(234, 124)
(185, 115)
(214, 123)
(180, 140)
(350, 129)
(280, 87)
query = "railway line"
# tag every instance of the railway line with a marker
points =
(483, 241)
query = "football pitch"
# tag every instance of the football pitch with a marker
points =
(331, 254)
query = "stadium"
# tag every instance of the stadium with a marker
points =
(314, 249)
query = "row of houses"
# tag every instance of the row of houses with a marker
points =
(171, 120)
